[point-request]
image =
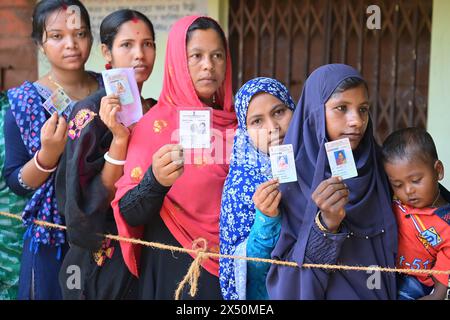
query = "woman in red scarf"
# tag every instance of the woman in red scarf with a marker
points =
(160, 199)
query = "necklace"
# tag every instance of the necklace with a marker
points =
(76, 98)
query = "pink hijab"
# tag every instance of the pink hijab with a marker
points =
(191, 208)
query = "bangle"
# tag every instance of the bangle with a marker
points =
(36, 163)
(319, 223)
(321, 226)
(114, 161)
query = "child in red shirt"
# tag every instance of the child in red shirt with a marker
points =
(422, 211)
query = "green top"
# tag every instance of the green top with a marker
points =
(11, 231)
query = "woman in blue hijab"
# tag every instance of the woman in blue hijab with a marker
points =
(264, 110)
(325, 220)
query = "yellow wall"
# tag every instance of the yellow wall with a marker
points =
(439, 90)
(217, 9)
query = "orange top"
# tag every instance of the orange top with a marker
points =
(423, 240)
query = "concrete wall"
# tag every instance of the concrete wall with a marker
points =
(439, 89)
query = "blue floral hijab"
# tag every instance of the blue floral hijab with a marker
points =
(249, 167)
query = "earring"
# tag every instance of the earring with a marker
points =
(214, 99)
(108, 66)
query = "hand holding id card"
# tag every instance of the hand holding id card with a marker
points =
(340, 157)
(121, 82)
(283, 163)
(195, 128)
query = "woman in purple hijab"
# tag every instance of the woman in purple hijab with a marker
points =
(326, 220)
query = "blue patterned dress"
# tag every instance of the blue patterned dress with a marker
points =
(44, 247)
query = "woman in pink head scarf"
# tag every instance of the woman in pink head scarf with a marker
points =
(162, 199)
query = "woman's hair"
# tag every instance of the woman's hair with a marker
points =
(111, 24)
(349, 83)
(205, 23)
(409, 144)
(45, 8)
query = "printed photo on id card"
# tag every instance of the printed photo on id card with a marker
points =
(121, 82)
(195, 129)
(283, 163)
(118, 84)
(340, 157)
(57, 102)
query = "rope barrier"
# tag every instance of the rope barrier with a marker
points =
(199, 250)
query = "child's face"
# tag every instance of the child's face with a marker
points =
(347, 115)
(415, 182)
(267, 121)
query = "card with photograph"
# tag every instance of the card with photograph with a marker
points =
(57, 102)
(121, 81)
(117, 82)
(283, 163)
(195, 128)
(340, 157)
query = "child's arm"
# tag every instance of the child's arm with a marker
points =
(439, 292)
